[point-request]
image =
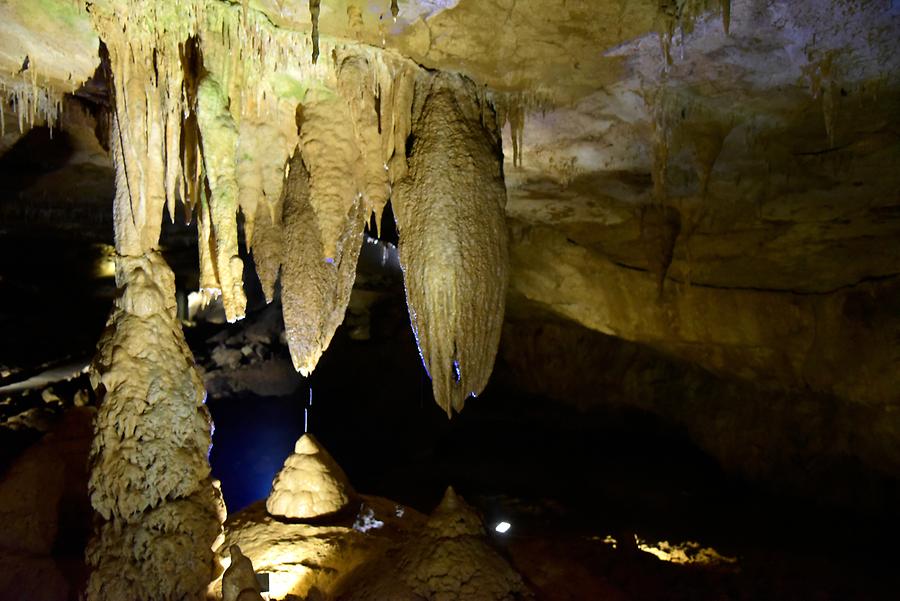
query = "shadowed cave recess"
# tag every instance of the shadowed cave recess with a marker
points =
(333, 300)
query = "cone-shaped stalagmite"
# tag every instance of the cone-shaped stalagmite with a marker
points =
(311, 483)
(453, 239)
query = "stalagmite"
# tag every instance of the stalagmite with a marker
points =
(453, 239)
(149, 472)
(449, 558)
(315, 291)
(239, 580)
(311, 484)
(220, 139)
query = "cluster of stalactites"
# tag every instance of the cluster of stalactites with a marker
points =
(683, 13)
(217, 108)
(32, 103)
(450, 212)
(350, 148)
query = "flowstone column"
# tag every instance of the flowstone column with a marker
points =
(150, 481)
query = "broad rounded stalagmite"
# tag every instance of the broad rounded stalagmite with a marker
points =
(149, 472)
(448, 558)
(453, 240)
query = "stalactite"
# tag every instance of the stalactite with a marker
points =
(726, 15)
(330, 152)
(268, 244)
(209, 283)
(395, 9)
(821, 77)
(517, 130)
(453, 239)
(357, 85)
(656, 102)
(314, 15)
(683, 14)
(263, 151)
(397, 86)
(315, 291)
(219, 135)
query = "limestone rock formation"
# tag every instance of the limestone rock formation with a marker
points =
(149, 469)
(315, 287)
(449, 558)
(305, 559)
(239, 580)
(712, 180)
(453, 241)
(311, 484)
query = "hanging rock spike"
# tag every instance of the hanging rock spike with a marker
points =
(314, 15)
(450, 212)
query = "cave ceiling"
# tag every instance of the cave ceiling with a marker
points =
(715, 179)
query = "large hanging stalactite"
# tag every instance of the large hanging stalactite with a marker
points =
(453, 239)
(315, 292)
(324, 218)
(357, 85)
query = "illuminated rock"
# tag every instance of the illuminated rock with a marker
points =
(303, 559)
(453, 241)
(149, 470)
(239, 580)
(311, 484)
(449, 558)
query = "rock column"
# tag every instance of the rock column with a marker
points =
(159, 512)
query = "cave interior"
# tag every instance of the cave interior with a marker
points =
(494, 300)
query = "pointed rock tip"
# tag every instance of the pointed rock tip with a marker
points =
(307, 445)
(311, 483)
(454, 517)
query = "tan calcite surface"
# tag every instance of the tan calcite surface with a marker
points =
(239, 580)
(149, 476)
(453, 240)
(311, 484)
(449, 558)
(303, 559)
(714, 180)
